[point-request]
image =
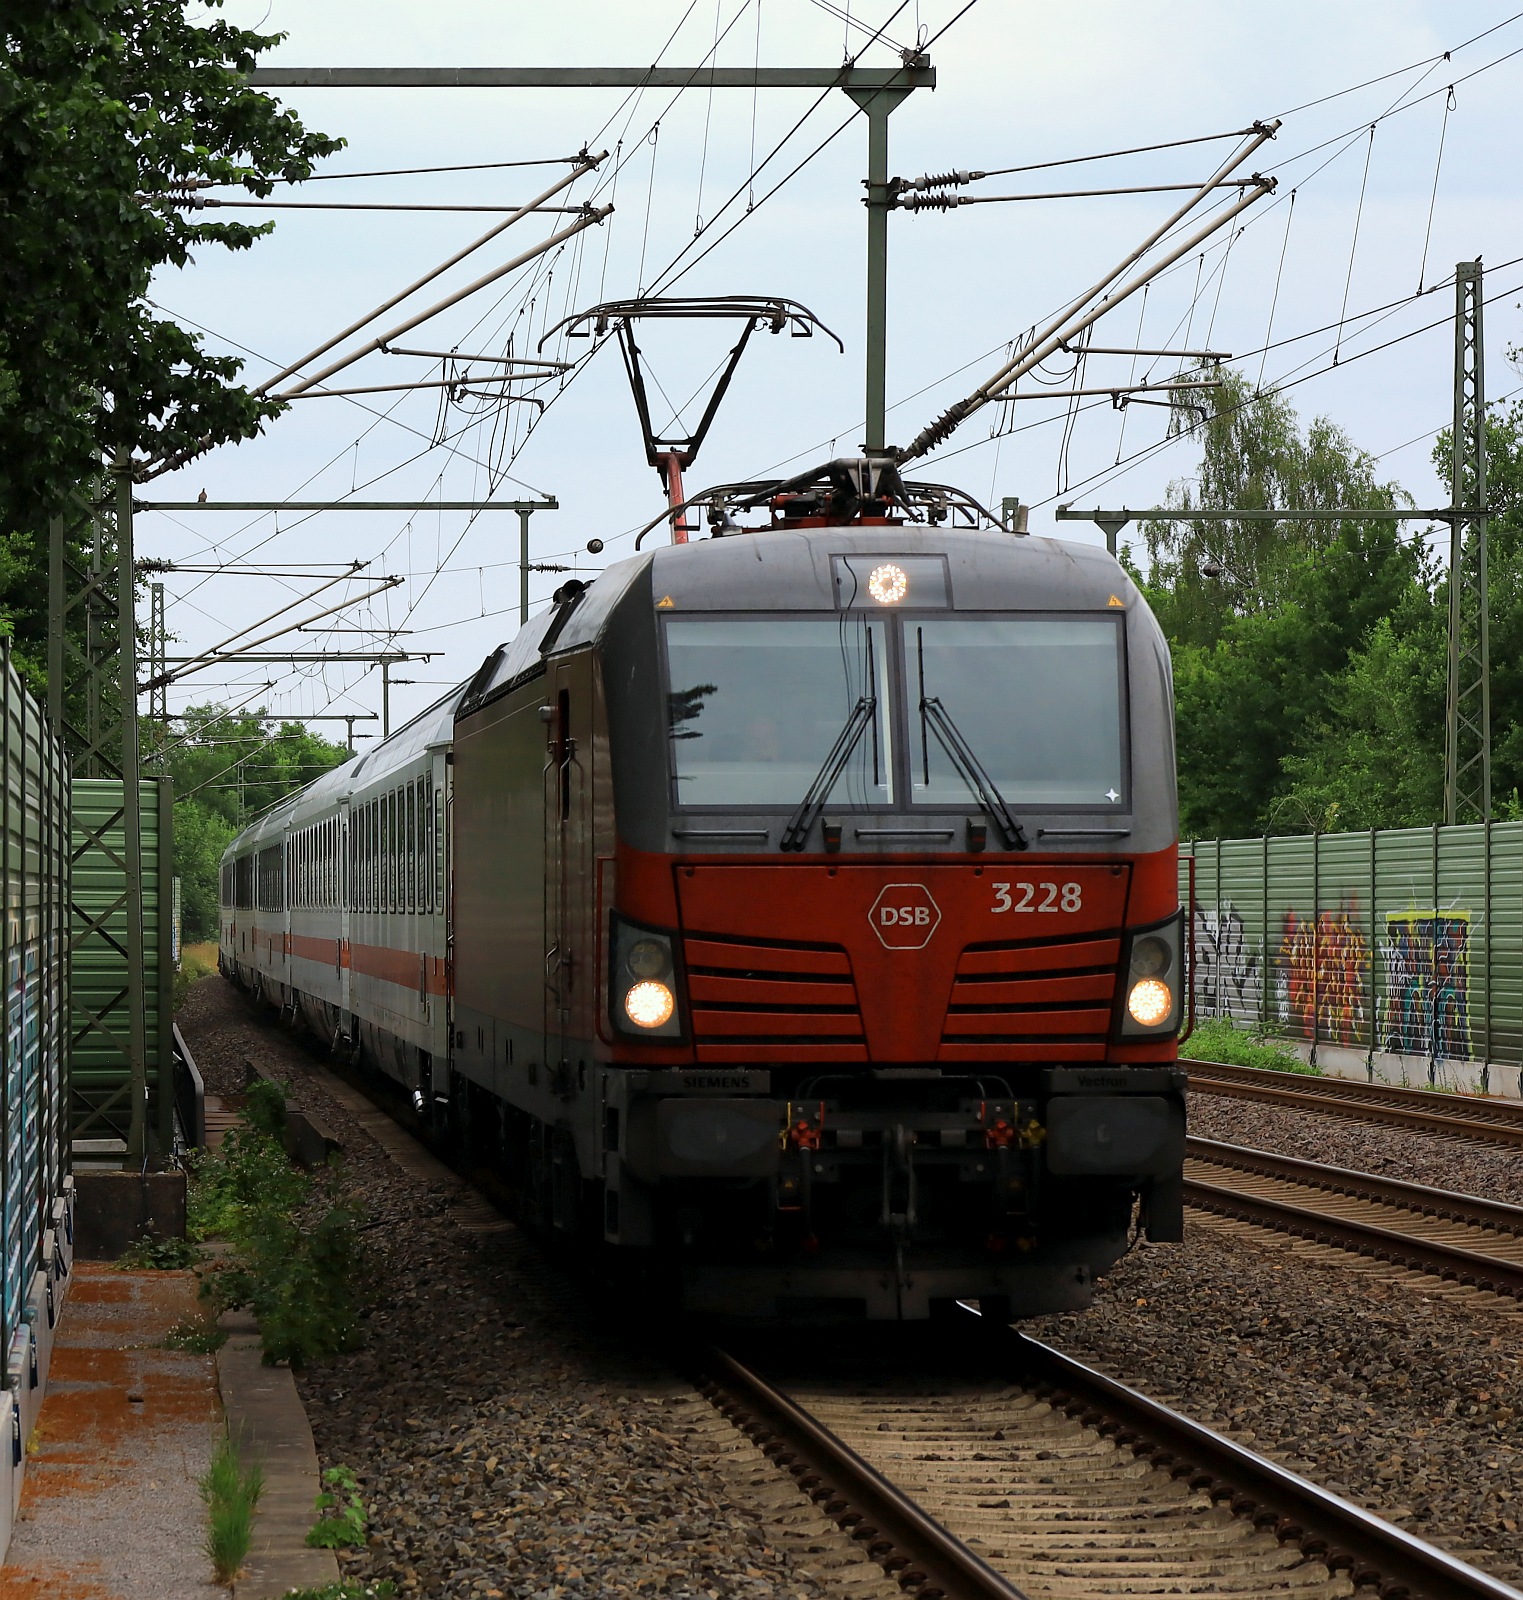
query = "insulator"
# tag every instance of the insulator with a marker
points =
(943, 180)
(931, 202)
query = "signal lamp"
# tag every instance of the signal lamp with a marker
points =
(1150, 956)
(888, 584)
(649, 1004)
(1149, 1002)
(646, 959)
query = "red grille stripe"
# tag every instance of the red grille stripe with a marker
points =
(1013, 959)
(768, 992)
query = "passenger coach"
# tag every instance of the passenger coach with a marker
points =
(794, 910)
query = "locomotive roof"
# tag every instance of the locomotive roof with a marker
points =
(789, 569)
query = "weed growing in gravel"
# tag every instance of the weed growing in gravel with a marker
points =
(231, 1494)
(201, 1338)
(1220, 1039)
(296, 1259)
(341, 1522)
(154, 1253)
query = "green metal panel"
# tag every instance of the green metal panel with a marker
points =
(101, 1106)
(1406, 941)
(1504, 958)
(34, 876)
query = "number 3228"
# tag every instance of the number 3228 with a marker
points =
(1037, 897)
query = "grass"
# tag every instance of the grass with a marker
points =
(384, 1589)
(196, 1335)
(231, 1493)
(1219, 1039)
(196, 961)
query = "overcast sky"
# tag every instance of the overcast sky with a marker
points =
(1017, 84)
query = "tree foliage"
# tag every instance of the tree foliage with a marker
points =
(228, 768)
(110, 112)
(1311, 660)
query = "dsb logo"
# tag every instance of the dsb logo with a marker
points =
(904, 916)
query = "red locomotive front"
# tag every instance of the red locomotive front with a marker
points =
(816, 913)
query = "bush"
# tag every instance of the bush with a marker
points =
(1220, 1039)
(341, 1523)
(295, 1261)
(231, 1494)
(154, 1253)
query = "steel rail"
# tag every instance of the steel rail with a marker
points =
(1468, 1267)
(1474, 1210)
(926, 1560)
(1410, 1108)
(1323, 1524)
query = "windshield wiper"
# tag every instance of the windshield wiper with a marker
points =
(971, 770)
(831, 768)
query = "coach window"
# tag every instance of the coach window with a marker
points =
(439, 839)
(393, 852)
(373, 849)
(410, 832)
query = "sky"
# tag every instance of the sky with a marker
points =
(1386, 178)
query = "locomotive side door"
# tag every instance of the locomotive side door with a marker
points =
(570, 966)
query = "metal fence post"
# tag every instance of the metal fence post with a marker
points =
(1264, 961)
(1369, 1063)
(1486, 893)
(1433, 971)
(1316, 945)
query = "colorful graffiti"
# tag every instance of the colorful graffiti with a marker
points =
(1324, 963)
(1226, 965)
(1426, 956)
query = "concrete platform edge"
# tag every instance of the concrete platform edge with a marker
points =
(268, 1425)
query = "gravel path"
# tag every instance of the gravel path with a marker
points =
(1495, 1171)
(507, 1445)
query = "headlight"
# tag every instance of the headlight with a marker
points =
(644, 982)
(650, 1004)
(1149, 1003)
(1152, 978)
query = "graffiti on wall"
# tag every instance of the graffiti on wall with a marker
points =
(1324, 961)
(1426, 956)
(1226, 965)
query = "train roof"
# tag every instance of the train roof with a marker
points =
(792, 569)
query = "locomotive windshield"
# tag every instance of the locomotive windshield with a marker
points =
(756, 707)
(756, 704)
(1037, 700)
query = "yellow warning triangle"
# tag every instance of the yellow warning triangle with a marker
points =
(666, 600)
(1115, 601)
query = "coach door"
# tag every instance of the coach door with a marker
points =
(570, 976)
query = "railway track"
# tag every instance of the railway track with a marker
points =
(1036, 1475)
(1048, 1478)
(1464, 1116)
(1463, 1238)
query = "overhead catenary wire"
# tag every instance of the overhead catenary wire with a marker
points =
(584, 166)
(1063, 327)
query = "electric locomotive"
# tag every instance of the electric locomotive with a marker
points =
(801, 917)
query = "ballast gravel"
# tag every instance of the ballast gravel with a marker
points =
(1393, 1393)
(505, 1444)
(1441, 1162)
(509, 1447)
